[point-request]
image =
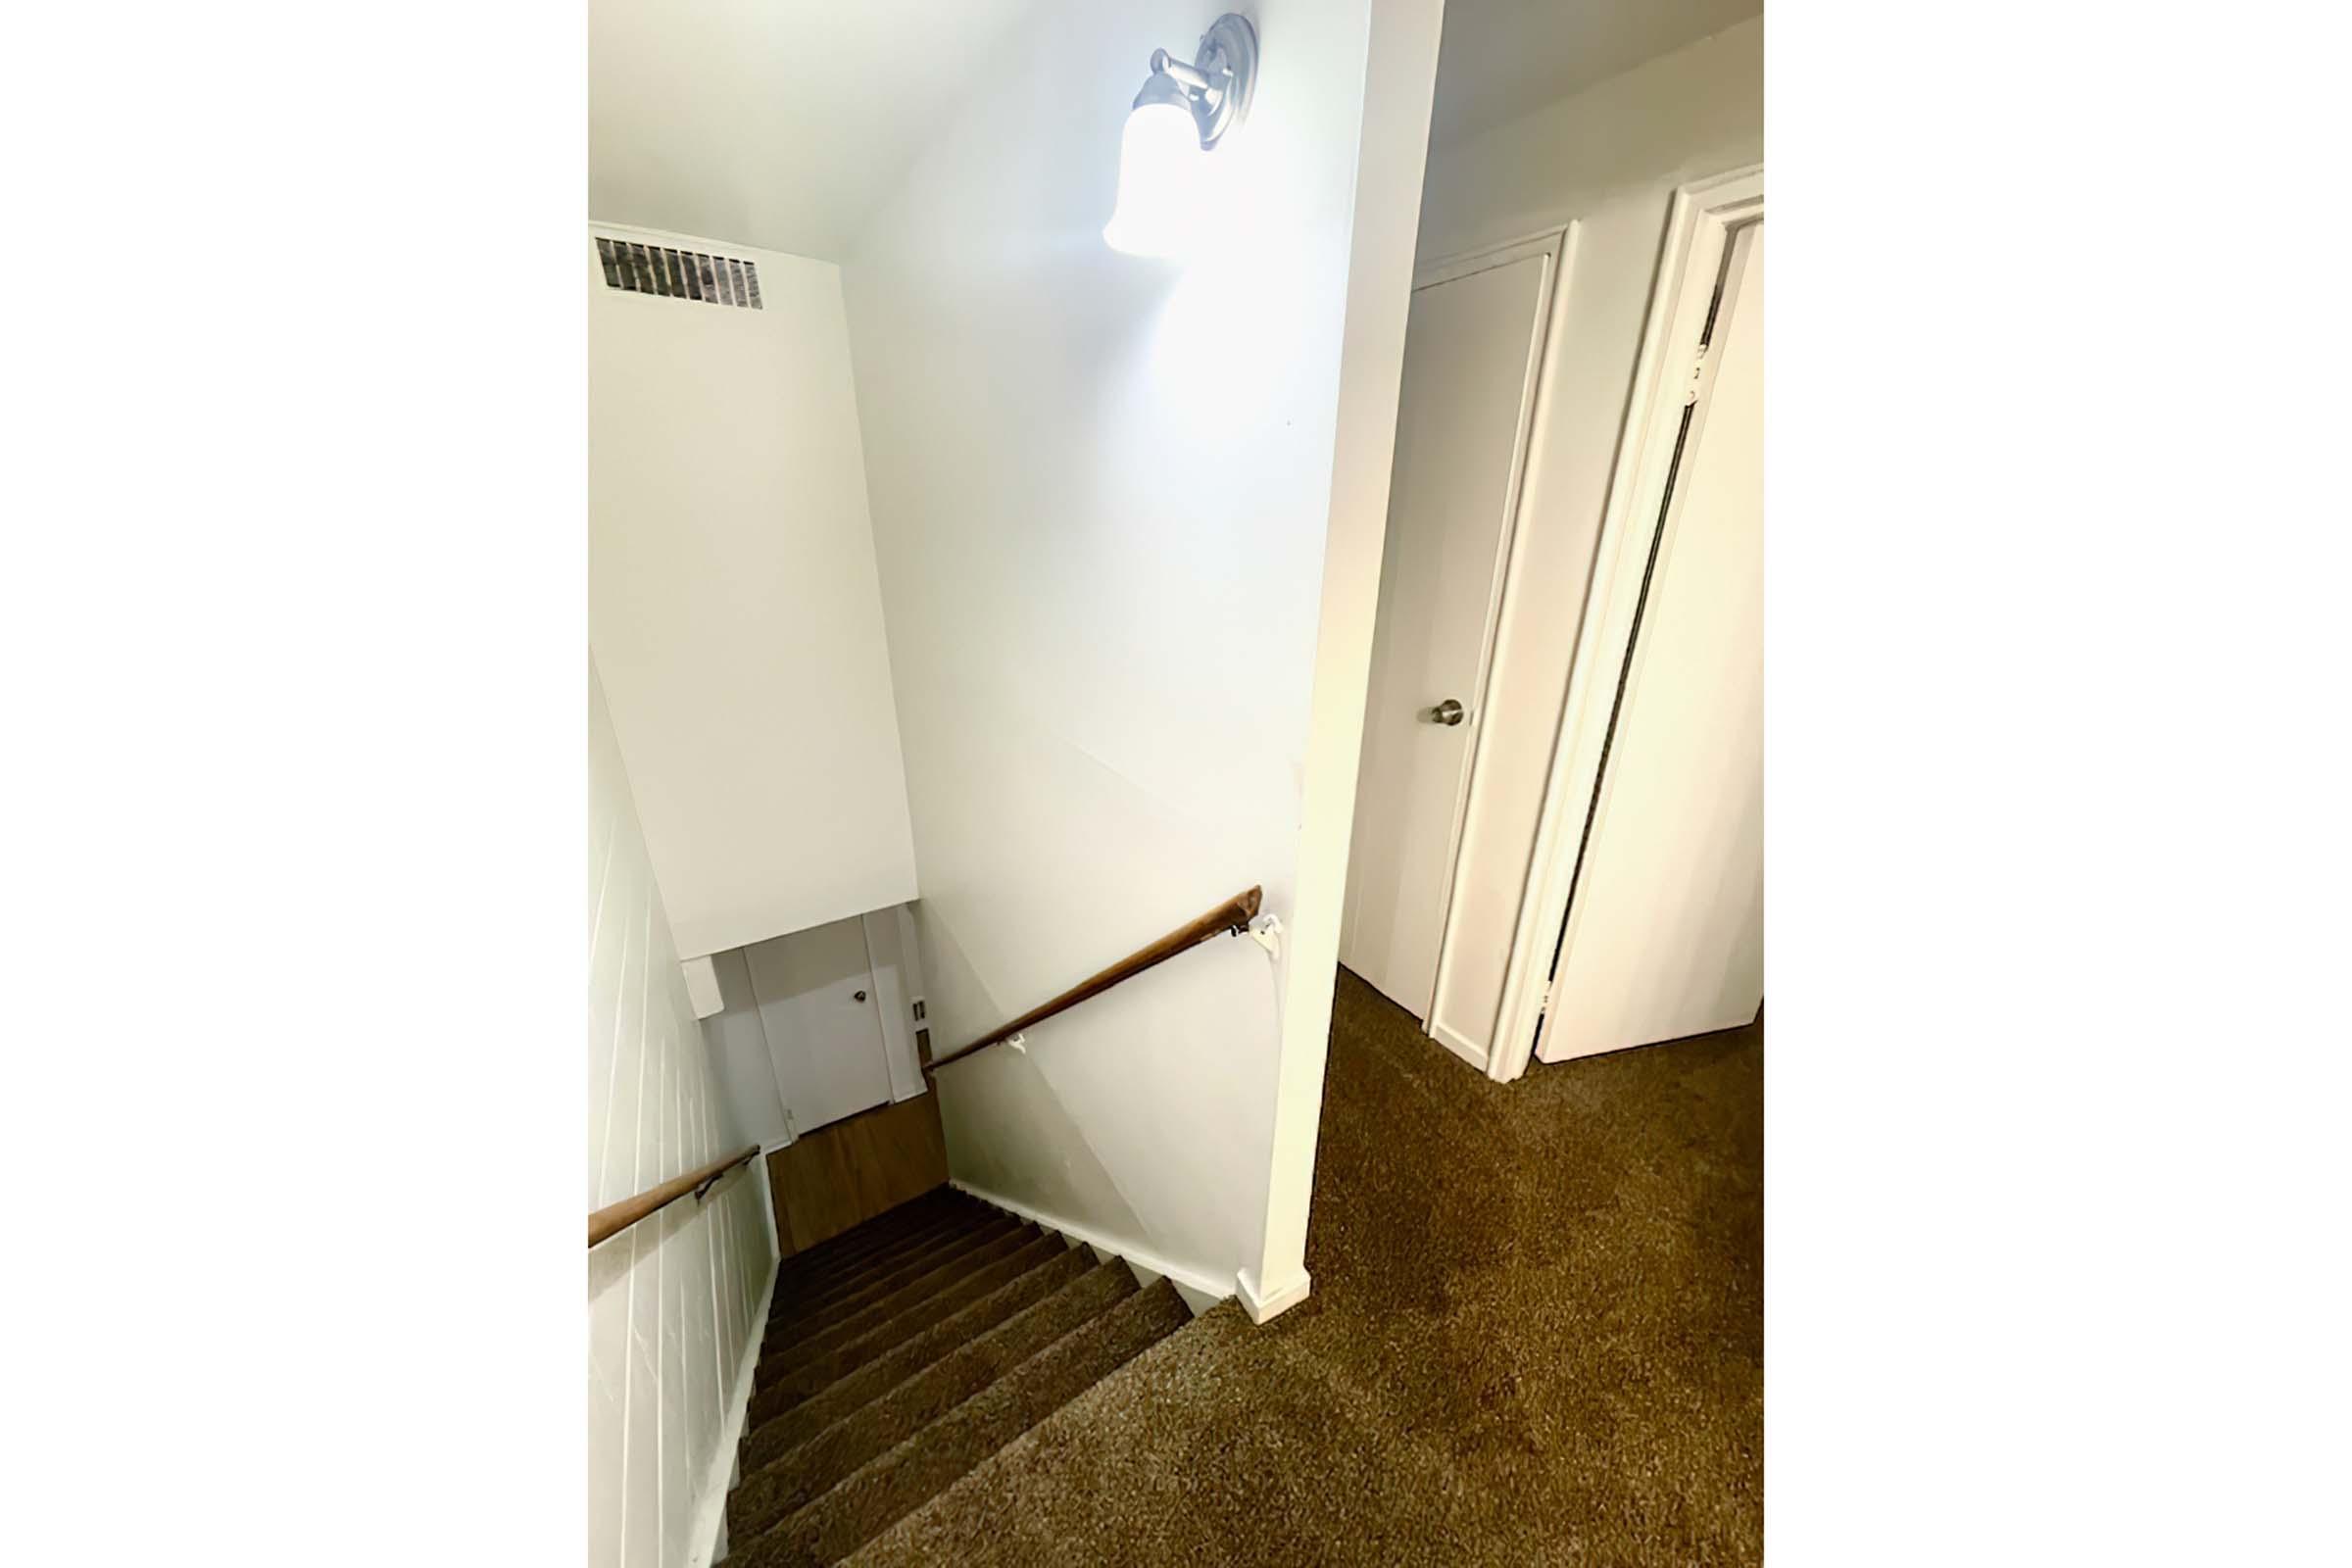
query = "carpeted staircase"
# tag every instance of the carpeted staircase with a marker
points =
(902, 1354)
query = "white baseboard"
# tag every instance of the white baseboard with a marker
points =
(1469, 1050)
(1183, 1276)
(710, 1513)
(1261, 1304)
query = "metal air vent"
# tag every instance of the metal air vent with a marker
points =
(642, 268)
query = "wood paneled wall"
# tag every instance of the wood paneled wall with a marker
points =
(673, 1302)
(856, 1168)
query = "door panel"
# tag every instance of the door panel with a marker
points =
(1665, 933)
(1470, 345)
(815, 991)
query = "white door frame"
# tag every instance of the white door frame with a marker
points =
(1699, 231)
(1556, 248)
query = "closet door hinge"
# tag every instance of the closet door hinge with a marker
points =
(1698, 374)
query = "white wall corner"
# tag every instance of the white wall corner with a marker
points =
(1263, 1306)
(1400, 74)
(702, 987)
(710, 1534)
(886, 951)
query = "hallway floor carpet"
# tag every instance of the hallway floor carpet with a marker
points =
(1536, 1336)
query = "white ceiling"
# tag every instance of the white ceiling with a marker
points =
(770, 122)
(1502, 58)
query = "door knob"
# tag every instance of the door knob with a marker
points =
(1448, 712)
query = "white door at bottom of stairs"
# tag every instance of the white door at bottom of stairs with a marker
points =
(1471, 346)
(824, 1022)
(1665, 930)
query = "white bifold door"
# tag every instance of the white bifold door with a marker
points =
(1471, 348)
(1664, 934)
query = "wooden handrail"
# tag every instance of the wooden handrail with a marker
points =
(610, 1221)
(1234, 914)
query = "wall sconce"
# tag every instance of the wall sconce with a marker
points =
(1177, 118)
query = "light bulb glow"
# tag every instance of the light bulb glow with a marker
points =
(1162, 188)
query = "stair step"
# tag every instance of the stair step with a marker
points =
(878, 1376)
(869, 1316)
(809, 1377)
(855, 1295)
(962, 1524)
(868, 1234)
(942, 1221)
(884, 1490)
(789, 1481)
(935, 1248)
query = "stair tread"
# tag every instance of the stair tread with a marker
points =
(868, 1234)
(895, 1484)
(872, 1314)
(855, 1295)
(944, 1529)
(869, 1382)
(791, 1479)
(942, 1221)
(810, 1377)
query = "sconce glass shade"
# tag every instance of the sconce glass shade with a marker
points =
(1161, 180)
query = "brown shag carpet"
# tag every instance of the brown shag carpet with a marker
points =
(1537, 1335)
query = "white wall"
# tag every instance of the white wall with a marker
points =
(733, 608)
(674, 1302)
(769, 125)
(1399, 73)
(1103, 489)
(738, 1045)
(1608, 160)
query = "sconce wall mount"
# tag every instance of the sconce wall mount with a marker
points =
(1215, 87)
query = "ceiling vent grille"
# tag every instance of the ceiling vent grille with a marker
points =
(678, 275)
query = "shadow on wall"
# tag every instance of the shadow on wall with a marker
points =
(1098, 1151)
(973, 1093)
(949, 979)
(1059, 1173)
